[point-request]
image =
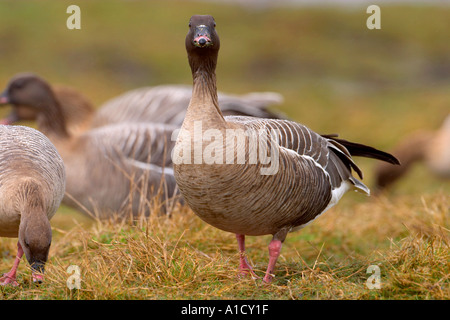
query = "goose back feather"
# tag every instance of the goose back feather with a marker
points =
(168, 103)
(27, 157)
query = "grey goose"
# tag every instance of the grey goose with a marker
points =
(111, 170)
(238, 196)
(32, 184)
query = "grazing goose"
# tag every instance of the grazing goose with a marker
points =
(163, 104)
(223, 184)
(110, 169)
(430, 147)
(32, 182)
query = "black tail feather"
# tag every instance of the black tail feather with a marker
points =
(361, 150)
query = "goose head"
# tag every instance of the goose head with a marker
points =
(202, 40)
(28, 94)
(35, 240)
(32, 98)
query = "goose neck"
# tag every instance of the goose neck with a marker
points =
(204, 105)
(52, 121)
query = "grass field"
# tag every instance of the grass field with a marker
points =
(371, 86)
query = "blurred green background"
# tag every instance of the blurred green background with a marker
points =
(337, 76)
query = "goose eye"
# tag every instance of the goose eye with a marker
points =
(190, 25)
(17, 85)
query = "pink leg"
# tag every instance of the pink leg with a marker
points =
(274, 253)
(243, 263)
(10, 277)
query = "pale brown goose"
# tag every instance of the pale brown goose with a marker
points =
(32, 182)
(432, 148)
(244, 196)
(111, 169)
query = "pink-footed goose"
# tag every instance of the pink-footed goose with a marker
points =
(432, 148)
(112, 169)
(248, 197)
(32, 182)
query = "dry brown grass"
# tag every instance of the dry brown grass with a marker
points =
(180, 257)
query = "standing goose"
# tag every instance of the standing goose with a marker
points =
(432, 148)
(162, 104)
(110, 169)
(32, 182)
(306, 175)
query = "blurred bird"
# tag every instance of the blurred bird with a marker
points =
(168, 104)
(114, 169)
(432, 148)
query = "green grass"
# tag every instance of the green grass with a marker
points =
(336, 76)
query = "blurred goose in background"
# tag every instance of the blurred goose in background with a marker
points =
(32, 183)
(111, 169)
(76, 109)
(163, 104)
(312, 172)
(168, 104)
(432, 148)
